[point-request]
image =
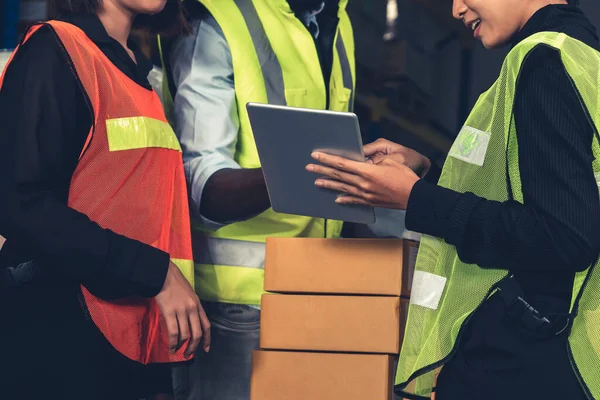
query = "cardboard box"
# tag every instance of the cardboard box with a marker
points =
(411, 250)
(339, 266)
(331, 323)
(321, 376)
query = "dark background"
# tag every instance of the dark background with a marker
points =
(418, 70)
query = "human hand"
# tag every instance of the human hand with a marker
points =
(385, 183)
(382, 148)
(184, 316)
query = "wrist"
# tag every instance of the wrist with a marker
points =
(425, 167)
(168, 273)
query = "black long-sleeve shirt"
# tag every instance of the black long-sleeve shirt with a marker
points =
(45, 118)
(555, 232)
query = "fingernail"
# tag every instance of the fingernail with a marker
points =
(310, 167)
(319, 182)
(315, 156)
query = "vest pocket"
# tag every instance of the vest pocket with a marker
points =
(297, 98)
(340, 98)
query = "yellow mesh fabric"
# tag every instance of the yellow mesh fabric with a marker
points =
(274, 61)
(433, 333)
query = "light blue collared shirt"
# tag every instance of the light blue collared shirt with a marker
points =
(205, 110)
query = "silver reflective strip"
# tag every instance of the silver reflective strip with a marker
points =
(271, 69)
(346, 70)
(235, 253)
(597, 175)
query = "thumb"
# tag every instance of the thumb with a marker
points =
(379, 158)
(375, 147)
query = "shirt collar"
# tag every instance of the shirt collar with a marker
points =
(303, 7)
(91, 25)
(552, 18)
(94, 29)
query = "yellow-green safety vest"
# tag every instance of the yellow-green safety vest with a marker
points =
(446, 291)
(275, 61)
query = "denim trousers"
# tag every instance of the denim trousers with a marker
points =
(224, 372)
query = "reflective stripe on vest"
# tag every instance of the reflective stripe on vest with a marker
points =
(139, 133)
(346, 71)
(484, 158)
(271, 68)
(228, 252)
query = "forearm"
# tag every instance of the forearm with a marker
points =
(68, 243)
(434, 173)
(555, 227)
(232, 195)
(498, 235)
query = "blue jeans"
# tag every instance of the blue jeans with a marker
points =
(223, 373)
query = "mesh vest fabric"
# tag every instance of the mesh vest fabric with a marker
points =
(130, 180)
(435, 328)
(275, 61)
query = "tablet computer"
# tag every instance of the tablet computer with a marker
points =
(285, 138)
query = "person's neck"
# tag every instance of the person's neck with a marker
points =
(117, 21)
(537, 5)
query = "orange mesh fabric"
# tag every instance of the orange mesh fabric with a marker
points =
(136, 192)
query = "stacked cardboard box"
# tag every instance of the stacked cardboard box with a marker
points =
(333, 320)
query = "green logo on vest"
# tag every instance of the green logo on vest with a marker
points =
(468, 142)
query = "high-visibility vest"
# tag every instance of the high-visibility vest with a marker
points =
(130, 180)
(275, 61)
(452, 290)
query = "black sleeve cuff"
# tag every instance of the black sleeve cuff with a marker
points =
(434, 173)
(139, 269)
(150, 270)
(430, 209)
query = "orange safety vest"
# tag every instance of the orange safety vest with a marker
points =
(130, 180)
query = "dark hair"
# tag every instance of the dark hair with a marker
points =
(573, 2)
(169, 22)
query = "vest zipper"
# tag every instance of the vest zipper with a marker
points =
(431, 367)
